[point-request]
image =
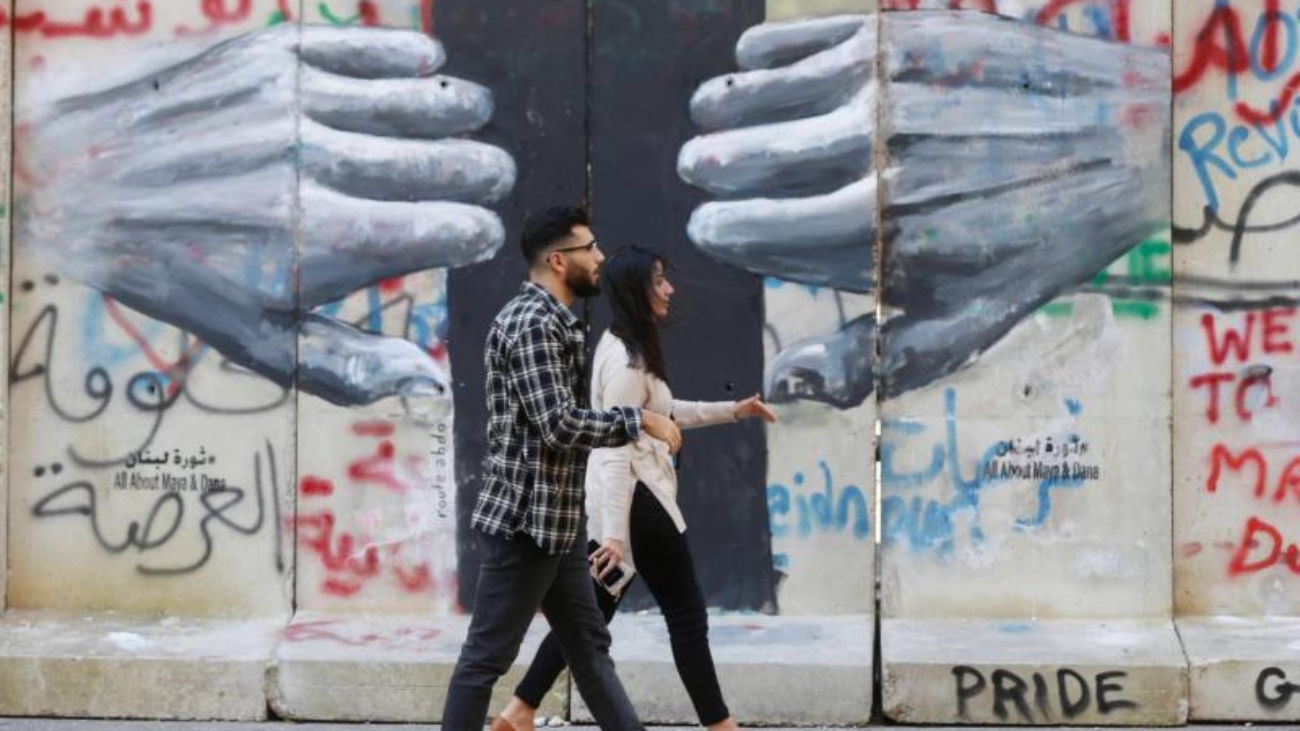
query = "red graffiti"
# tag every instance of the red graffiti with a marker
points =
(1268, 332)
(378, 469)
(1119, 12)
(375, 428)
(216, 10)
(1274, 335)
(1260, 533)
(1221, 44)
(349, 568)
(1245, 387)
(414, 579)
(218, 15)
(175, 372)
(367, 12)
(315, 486)
(337, 553)
(1221, 456)
(306, 631)
(324, 629)
(96, 23)
(988, 6)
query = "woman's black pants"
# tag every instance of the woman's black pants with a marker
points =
(663, 560)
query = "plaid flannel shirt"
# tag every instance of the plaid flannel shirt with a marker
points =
(539, 427)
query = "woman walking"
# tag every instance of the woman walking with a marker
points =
(632, 492)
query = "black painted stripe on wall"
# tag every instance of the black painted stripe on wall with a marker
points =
(646, 60)
(533, 56)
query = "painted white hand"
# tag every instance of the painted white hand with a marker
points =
(233, 192)
(1018, 162)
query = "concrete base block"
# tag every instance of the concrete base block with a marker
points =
(388, 668)
(1112, 672)
(802, 671)
(116, 666)
(1243, 669)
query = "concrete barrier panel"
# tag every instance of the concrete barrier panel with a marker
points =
(792, 670)
(393, 668)
(1236, 572)
(1025, 443)
(1067, 672)
(149, 370)
(108, 665)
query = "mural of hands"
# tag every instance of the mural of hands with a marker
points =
(231, 193)
(1019, 162)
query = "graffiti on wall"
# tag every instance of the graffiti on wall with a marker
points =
(1238, 390)
(1041, 697)
(1041, 464)
(241, 211)
(1236, 84)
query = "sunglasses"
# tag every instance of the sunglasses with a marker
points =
(589, 246)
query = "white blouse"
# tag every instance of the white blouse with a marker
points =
(612, 473)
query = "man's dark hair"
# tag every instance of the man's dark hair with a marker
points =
(545, 227)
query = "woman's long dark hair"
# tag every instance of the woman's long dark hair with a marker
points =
(626, 279)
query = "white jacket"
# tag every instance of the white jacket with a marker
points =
(612, 473)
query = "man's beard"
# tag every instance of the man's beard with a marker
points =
(584, 287)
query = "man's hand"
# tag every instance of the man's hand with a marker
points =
(232, 193)
(1016, 162)
(607, 558)
(753, 407)
(662, 428)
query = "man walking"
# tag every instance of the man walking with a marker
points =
(529, 512)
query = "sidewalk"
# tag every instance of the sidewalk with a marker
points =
(54, 724)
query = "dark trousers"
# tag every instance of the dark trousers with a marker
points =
(663, 559)
(516, 577)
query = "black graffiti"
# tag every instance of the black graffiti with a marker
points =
(167, 515)
(1277, 695)
(147, 391)
(1242, 226)
(1071, 694)
(1243, 294)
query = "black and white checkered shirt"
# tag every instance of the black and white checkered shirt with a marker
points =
(539, 429)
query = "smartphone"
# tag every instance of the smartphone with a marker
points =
(615, 581)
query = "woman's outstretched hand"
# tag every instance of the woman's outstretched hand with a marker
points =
(754, 407)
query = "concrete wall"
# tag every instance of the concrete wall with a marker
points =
(1031, 270)
(1026, 431)
(1235, 499)
(1234, 335)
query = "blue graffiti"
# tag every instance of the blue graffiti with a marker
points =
(425, 324)
(1213, 147)
(926, 524)
(827, 510)
(1045, 488)
(775, 283)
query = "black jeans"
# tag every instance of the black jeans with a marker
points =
(663, 559)
(516, 577)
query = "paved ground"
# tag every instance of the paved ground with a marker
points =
(48, 724)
